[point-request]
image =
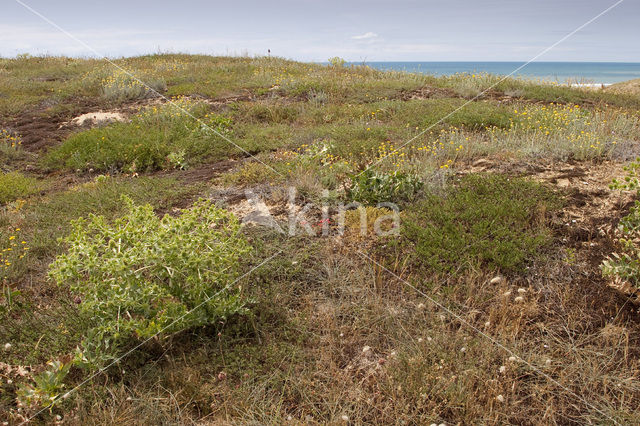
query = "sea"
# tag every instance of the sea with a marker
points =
(580, 73)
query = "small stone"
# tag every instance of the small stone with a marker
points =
(487, 324)
(547, 362)
(519, 299)
(420, 339)
(522, 290)
(345, 417)
(463, 349)
(7, 346)
(366, 349)
(420, 306)
(500, 398)
(502, 369)
(507, 293)
(512, 358)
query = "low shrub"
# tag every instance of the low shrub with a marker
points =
(121, 86)
(371, 187)
(143, 276)
(14, 185)
(622, 267)
(487, 221)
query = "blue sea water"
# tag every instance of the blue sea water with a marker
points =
(561, 72)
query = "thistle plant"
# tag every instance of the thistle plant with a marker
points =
(143, 276)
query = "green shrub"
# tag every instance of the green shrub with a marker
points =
(153, 140)
(371, 187)
(47, 388)
(337, 62)
(485, 221)
(622, 267)
(15, 185)
(142, 275)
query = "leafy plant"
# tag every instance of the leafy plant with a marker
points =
(9, 301)
(371, 187)
(337, 62)
(48, 386)
(622, 267)
(177, 160)
(489, 221)
(143, 276)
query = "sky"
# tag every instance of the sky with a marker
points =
(315, 30)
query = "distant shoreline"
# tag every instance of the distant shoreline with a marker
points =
(579, 74)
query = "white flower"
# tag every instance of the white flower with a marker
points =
(522, 290)
(496, 280)
(345, 417)
(547, 362)
(420, 339)
(519, 299)
(507, 293)
(420, 306)
(500, 398)
(7, 346)
(503, 369)
(512, 358)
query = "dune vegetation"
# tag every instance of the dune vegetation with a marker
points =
(258, 240)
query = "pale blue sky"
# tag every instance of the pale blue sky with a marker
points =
(373, 30)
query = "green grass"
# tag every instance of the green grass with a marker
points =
(486, 222)
(299, 355)
(14, 185)
(148, 142)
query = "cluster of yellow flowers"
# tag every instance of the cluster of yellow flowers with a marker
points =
(278, 75)
(121, 80)
(9, 139)
(178, 107)
(586, 132)
(170, 65)
(14, 249)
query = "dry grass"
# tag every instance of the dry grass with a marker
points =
(333, 336)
